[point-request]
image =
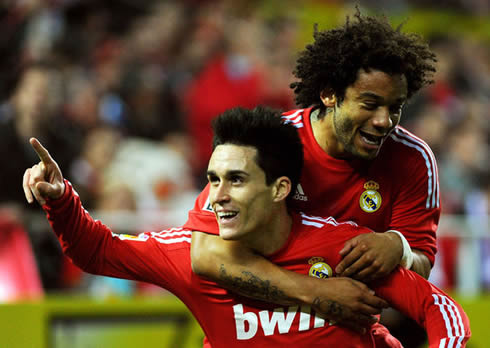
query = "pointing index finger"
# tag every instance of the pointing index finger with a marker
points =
(41, 151)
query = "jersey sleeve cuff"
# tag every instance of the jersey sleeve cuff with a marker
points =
(56, 204)
(407, 258)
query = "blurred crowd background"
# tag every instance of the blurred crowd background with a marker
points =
(122, 92)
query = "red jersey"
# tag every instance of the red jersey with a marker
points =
(163, 258)
(398, 190)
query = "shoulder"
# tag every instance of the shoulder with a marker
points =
(296, 117)
(172, 238)
(317, 228)
(407, 149)
(310, 221)
(409, 143)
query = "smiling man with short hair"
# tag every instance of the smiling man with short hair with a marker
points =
(251, 178)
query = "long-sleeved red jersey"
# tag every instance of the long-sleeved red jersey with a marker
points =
(163, 258)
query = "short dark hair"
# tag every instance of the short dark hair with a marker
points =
(335, 57)
(279, 148)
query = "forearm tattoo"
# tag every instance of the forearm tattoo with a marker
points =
(328, 307)
(249, 285)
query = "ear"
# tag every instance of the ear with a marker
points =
(328, 97)
(281, 189)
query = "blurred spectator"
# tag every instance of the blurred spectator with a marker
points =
(237, 75)
(87, 170)
(160, 179)
(33, 110)
(462, 165)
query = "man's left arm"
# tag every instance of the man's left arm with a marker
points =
(411, 238)
(444, 319)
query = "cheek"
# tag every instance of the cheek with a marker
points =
(257, 208)
(344, 122)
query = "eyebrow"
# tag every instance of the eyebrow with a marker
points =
(369, 95)
(377, 97)
(228, 173)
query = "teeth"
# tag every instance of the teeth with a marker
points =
(226, 214)
(371, 139)
(367, 140)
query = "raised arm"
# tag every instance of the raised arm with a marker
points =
(90, 244)
(343, 300)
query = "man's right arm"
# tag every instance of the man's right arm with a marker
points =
(343, 300)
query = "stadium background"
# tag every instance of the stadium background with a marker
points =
(122, 91)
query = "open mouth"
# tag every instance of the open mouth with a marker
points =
(226, 216)
(371, 139)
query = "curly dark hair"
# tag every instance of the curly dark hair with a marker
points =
(335, 57)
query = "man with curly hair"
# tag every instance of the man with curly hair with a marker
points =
(360, 165)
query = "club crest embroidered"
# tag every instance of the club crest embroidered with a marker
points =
(370, 200)
(319, 269)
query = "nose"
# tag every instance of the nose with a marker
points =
(219, 193)
(382, 119)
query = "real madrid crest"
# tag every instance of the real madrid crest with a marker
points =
(370, 200)
(319, 269)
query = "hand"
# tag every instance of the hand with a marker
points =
(43, 180)
(348, 303)
(370, 256)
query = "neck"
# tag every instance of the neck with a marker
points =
(324, 131)
(274, 234)
(326, 135)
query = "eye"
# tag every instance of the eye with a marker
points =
(213, 179)
(370, 106)
(236, 179)
(396, 110)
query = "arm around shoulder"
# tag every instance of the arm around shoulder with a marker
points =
(237, 268)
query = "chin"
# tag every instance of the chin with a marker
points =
(369, 156)
(365, 155)
(227, 234)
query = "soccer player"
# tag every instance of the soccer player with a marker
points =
(360, 165)
(251, 176)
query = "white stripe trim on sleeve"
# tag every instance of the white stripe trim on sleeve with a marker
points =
(295, 118)
(448, 308)
(311, 223)
(330, 220)
(442, 309)
(172, 236)
(172, 232)
(408, 139)
(453, 310)
(414, 139)
(173, 240)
